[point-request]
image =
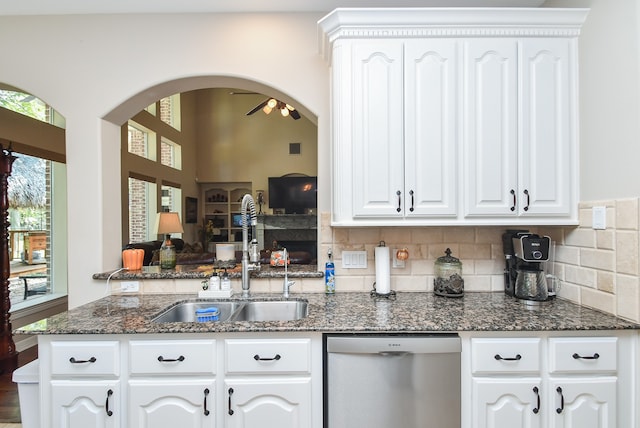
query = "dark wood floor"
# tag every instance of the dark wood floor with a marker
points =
(9, 403)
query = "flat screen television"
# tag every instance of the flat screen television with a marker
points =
(293, 194)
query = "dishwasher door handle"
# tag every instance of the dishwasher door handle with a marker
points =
(394, 353)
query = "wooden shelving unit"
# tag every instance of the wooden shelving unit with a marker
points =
(220, 202)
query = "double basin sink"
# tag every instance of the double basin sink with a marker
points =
(252, 310)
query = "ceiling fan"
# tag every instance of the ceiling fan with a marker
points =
(270, 104)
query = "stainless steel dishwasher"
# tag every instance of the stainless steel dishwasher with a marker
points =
(383, 381)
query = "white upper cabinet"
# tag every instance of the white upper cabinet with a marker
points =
(403, 134)
(452, 116)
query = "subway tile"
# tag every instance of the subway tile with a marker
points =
(365, 235)
(567, 255)
(571, 292)
(627, 214)
(477, 283)
(438, 250)
(396, 235)
(427, 235)
(580, 276)
(409, 283)
(597, 259)
(489, 235)
(497, 283)
(488, 267)
(605, 239)
(605, 281)
(599, 300)
(581, 237)
(628, 297)
(459, 235)
(627, 252)
(474, 252)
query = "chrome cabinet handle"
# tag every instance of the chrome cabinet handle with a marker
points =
(499, 357)
(72, 360)
(259, 358)
(230, 394)
(399, 201)
(561, 408)
(537, 392)
(106, 404)
(577, 356)
(513, 206)
(206, 411)
(411, 193)
(171, 360)
(526, 193)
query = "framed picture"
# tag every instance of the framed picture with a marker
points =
(190, 210)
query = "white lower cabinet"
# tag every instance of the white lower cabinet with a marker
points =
(506, 402)
(85, 403)
(182, 380)
(539, 381)
(172, 403)
(270, 402)
(268, 383)
(583, 402)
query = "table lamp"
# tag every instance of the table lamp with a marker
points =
(168, 223)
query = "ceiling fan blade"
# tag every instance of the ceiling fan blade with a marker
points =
(258, 107)
(294, 114)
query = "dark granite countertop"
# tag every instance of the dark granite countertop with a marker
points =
(205, 271)
(342, 312)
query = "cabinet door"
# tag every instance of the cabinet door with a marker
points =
(506, 403)
(82, 404)
(490, 127)
(268, 403)
(430, 128)
(583, 402)
(172, 403)
(547, 156)
(378, 157)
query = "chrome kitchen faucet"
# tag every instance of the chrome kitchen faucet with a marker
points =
(250, 254)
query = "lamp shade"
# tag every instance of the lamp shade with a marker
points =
(168, 222)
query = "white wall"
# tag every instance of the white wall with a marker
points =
(609, 98)
(87, 66)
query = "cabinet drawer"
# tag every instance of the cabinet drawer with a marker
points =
(505, 355)
(268, 355)
(583, 354)
(85, 358)
(172, 357)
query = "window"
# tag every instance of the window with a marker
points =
(148, 136)
(170, 153)
(141, 141)
(171, 199)
(31, 106)
(142, 210)
(170, 111)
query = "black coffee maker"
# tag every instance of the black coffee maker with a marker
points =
(524, 254)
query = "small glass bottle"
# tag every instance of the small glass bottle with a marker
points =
(214, 282)
(225, 281)
(448, 276)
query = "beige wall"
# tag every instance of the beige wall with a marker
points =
(233, 147)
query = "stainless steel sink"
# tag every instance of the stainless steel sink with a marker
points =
(272, 310)
(186, 311)
(282, 310)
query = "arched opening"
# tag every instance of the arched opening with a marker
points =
(223, 151)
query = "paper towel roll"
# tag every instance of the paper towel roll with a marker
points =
(383, 274)
(225, 252)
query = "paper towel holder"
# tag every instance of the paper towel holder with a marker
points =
(374, 292)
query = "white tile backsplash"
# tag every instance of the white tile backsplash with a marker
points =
(597, 268)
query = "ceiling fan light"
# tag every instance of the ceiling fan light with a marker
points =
(284, 112)
(267, 109)
(290, 107)
(272, 103)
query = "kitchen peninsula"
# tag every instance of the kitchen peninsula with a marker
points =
(145, 363)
